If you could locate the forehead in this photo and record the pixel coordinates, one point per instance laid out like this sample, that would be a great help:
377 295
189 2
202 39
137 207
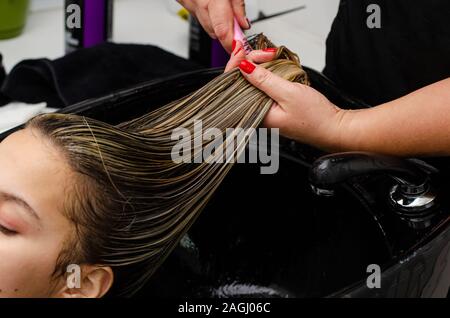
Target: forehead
32 167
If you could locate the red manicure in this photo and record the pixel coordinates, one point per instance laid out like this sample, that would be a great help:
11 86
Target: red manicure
270 50
238 50
247 67
233 45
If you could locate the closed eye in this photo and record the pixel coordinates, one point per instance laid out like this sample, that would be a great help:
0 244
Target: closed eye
6 231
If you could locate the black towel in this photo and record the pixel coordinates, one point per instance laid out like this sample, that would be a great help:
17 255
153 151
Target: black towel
3 99
88 73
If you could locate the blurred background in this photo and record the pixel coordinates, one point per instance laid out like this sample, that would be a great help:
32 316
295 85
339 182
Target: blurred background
161 23
156 22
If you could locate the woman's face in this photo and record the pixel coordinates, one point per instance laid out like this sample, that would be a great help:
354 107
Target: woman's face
33 229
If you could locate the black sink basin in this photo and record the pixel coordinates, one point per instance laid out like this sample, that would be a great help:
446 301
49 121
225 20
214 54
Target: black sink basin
268 235
271 236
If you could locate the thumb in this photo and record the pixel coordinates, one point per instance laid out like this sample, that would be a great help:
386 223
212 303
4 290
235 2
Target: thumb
277 88
239 12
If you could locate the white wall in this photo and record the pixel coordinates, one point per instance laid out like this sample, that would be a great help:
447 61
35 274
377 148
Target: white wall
304 31
316 18
37 5
320 13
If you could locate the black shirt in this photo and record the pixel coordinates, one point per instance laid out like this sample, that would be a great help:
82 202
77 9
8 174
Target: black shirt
411 49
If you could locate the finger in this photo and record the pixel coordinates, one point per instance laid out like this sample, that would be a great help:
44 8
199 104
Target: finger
202 16
262 56
236 56
200 13
221 16
239 12
257 56
188 5
277 88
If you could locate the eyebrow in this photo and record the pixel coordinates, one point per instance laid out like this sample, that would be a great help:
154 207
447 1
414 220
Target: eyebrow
21 202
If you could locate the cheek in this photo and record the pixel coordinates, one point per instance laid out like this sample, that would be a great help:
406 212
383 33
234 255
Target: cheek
26 267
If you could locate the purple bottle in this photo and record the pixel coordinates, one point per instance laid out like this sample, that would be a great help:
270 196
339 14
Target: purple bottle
203 49
87 23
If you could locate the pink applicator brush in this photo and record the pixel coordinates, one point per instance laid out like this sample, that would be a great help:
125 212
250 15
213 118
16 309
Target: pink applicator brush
240 36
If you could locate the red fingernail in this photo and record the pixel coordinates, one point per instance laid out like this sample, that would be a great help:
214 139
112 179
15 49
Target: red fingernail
270 50
238 50
249 23
233 45
247 67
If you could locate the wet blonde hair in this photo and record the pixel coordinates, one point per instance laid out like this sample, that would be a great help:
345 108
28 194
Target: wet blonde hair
130 202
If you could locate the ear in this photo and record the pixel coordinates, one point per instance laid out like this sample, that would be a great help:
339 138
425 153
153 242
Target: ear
95 282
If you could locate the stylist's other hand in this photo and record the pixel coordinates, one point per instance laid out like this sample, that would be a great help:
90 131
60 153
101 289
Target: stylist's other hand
217 17
299 111
256 56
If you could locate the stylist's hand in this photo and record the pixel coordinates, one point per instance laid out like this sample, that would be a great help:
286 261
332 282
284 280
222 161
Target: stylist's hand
256 56
217 17
299 111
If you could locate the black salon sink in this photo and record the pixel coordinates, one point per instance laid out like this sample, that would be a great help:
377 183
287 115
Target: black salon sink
272 236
